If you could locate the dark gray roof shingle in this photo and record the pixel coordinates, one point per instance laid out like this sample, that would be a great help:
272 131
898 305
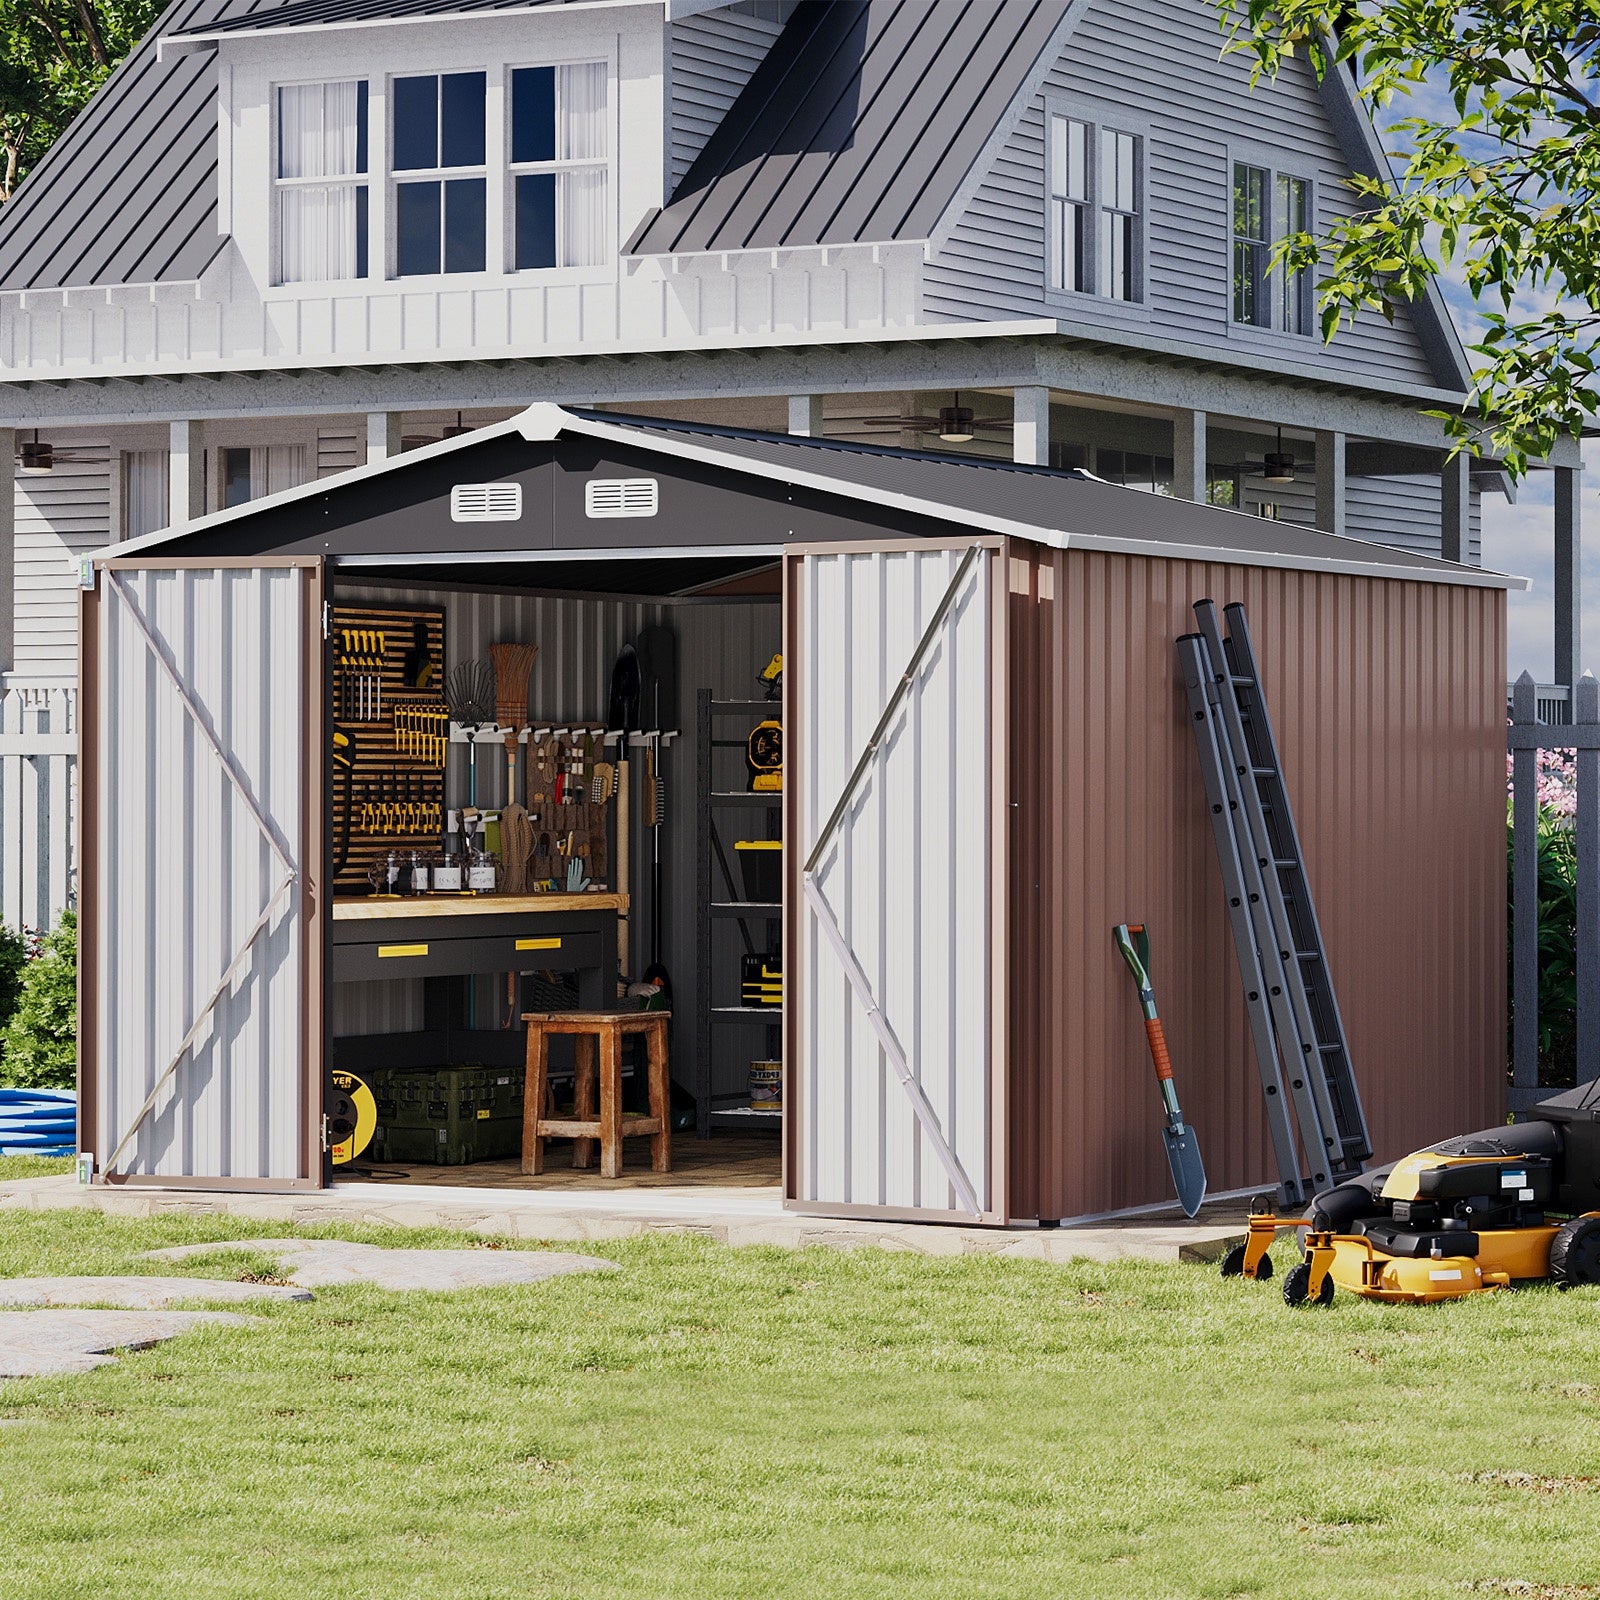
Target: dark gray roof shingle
320 13
859 125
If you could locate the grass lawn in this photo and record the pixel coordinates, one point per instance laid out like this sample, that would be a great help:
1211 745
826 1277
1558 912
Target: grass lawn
712 1422
33 1166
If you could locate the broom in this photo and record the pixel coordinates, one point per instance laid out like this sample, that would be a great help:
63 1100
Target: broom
513 664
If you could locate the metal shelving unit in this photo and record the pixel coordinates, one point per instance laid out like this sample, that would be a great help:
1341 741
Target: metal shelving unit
716 1023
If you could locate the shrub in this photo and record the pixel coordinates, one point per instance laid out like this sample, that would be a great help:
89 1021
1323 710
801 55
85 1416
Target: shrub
41 1039
15 953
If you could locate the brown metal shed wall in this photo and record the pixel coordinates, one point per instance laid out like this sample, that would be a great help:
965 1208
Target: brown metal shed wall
1388 701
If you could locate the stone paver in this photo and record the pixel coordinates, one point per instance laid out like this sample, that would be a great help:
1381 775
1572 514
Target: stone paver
321 1263
42 1343
138 1294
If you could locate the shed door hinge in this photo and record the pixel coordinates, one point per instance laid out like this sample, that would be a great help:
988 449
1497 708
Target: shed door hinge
327 619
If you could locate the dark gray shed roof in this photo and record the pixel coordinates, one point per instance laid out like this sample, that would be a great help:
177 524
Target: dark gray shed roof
859 125
322 13
128 194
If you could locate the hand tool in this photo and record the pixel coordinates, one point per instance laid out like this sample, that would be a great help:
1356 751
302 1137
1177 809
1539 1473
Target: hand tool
513 666
1183 1149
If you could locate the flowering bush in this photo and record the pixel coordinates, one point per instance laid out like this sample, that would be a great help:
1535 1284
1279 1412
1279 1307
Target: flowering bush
1558 915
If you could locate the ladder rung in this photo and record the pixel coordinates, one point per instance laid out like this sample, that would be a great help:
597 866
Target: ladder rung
1331 1049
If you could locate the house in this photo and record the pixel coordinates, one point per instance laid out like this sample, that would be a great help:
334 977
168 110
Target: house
287 238
988 759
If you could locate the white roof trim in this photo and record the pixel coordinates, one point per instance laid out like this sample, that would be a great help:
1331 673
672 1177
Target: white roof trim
470 558
544 422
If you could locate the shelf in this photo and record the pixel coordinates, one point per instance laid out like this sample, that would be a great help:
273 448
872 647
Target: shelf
739 797
747 908
769 1014
745 1115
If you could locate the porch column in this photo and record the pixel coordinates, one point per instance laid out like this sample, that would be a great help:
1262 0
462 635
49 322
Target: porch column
805 415
383 435
186 473
1030 437
1189 455
1569 575
8 550
1330 482
1455 508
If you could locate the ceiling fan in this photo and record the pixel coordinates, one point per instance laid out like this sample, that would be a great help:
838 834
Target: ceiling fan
36 456
1275 466
451 430
954 424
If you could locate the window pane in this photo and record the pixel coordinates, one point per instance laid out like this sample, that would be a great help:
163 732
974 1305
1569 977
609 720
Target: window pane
1249 202
536 220
533 114
1117 256
1078 160
416 123
361 231
322 130
1117 153
416 228
235 476
464 225
322 232
144 492
583 217
461 119
1058 155
581 130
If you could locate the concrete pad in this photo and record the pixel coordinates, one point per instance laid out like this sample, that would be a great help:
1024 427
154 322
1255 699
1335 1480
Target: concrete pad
321 1263
36 1344
138 1294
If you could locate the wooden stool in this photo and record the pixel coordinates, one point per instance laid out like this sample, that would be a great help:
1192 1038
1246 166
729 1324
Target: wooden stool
596 1033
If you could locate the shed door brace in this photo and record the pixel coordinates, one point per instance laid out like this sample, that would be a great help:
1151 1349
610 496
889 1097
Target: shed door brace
858 980
268 916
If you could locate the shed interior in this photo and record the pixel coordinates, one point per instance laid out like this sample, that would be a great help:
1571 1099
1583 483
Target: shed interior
674 875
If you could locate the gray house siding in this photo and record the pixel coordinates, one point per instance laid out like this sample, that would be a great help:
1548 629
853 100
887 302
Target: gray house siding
1404 512
713 56
1115 65
60 516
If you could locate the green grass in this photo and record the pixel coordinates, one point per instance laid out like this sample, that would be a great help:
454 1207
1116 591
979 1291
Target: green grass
712 1422
33 1166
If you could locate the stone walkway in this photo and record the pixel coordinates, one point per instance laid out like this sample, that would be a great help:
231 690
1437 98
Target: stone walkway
138 1293
729 1215
44 1343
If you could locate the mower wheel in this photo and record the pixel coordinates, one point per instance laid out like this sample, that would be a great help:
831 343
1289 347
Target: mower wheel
1297 1287
1233 1265
1575 1253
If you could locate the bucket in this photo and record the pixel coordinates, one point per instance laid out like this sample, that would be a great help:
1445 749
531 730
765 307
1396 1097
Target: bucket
766 1085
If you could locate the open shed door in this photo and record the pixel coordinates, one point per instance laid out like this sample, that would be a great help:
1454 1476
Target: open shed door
202 734
896 879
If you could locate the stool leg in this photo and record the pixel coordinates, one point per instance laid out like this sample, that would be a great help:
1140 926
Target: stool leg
660 1099
610 1103
533 1098
583 1056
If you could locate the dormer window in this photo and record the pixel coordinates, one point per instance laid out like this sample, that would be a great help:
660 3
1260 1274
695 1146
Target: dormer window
559 161
440 162
321 181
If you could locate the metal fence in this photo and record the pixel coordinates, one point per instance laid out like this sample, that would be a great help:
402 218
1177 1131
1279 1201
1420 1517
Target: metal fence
1526 737
38 803
1553 701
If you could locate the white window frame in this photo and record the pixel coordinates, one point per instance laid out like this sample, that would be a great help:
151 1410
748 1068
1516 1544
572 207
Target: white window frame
1095 210
1276 286
395 179
606 164
276 185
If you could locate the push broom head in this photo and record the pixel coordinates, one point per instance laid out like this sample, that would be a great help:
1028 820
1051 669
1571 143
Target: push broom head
513 665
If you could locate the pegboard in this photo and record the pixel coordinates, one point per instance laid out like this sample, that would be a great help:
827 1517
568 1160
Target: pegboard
393 797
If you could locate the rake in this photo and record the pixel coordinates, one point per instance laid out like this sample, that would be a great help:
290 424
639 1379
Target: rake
469 692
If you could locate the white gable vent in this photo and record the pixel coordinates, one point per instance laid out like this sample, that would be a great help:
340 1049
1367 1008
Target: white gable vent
621 497
486 502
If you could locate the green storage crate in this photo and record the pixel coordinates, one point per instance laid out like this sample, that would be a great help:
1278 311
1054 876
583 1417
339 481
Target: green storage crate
447 1116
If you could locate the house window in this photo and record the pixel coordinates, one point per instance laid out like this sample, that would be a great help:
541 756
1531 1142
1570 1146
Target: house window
1069 204
320 188
245 473
1266 209
1095 202
559 171
145 479
438 143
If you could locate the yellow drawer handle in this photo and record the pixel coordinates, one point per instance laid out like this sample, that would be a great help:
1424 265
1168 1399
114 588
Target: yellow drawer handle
538 944
402 950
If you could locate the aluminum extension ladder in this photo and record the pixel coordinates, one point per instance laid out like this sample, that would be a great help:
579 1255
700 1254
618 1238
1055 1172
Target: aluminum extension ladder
1298 1035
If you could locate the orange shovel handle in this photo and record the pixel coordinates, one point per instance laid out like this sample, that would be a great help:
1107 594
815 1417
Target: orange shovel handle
1158 1048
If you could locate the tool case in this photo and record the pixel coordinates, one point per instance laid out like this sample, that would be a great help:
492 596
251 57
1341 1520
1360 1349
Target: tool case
761 980
447 1116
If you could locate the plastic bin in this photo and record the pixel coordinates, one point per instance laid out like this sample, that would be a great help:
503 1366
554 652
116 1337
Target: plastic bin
446 1116
761 863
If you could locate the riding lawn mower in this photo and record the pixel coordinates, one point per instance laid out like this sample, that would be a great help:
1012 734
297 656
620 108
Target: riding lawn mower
1513 1204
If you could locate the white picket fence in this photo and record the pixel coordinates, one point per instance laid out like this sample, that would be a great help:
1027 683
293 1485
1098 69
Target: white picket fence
38 803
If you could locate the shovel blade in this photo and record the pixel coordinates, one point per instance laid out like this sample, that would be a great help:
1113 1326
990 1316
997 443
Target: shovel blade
1188 1171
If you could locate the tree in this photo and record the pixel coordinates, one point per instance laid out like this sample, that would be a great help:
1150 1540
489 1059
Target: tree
1502 186
41 1039
54 54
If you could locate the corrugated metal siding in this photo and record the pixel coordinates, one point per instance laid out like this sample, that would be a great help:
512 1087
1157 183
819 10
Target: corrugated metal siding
183 873
1389 702
1157 62
60 516
908 880
713 56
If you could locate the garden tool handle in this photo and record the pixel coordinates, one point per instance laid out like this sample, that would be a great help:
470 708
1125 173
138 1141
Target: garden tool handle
1158 1048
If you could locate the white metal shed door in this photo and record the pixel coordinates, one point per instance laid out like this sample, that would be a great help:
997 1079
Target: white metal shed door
896 889
198 859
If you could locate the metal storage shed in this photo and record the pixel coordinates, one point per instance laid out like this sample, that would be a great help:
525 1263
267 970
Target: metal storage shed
959 1039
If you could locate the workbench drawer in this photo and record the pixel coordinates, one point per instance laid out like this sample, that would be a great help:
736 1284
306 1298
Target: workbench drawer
533 950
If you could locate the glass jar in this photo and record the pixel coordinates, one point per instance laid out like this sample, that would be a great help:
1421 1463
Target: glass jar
447 874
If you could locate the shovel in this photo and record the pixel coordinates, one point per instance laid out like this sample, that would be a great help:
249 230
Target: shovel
1183 1149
